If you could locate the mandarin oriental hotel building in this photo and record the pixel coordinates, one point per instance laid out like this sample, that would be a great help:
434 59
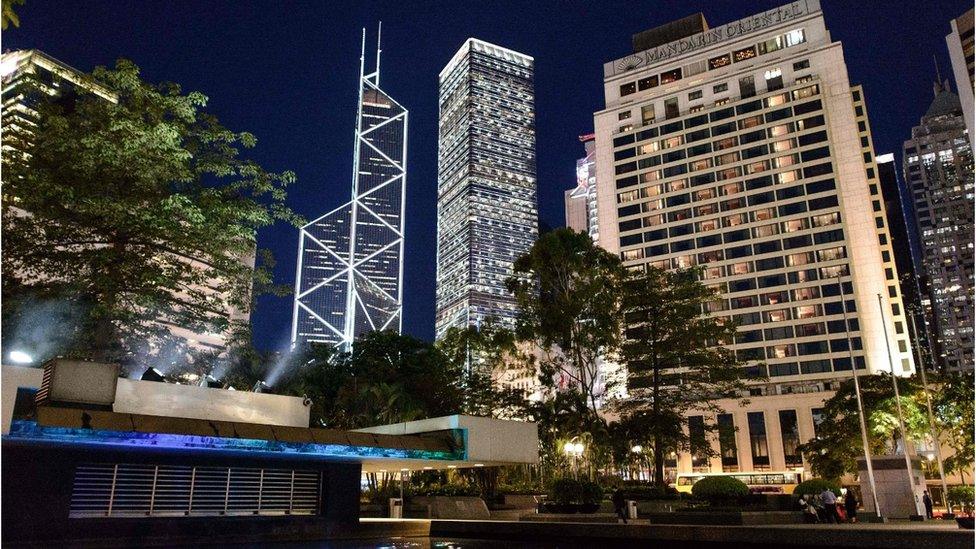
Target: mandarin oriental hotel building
744 149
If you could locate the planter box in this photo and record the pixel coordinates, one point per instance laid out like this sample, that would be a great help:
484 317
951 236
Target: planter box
602 518
727 518
453 507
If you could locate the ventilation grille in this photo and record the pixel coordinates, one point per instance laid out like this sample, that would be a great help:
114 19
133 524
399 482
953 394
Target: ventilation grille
130 490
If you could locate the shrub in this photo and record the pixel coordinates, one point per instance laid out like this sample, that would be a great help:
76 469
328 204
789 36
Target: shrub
816 486
565 491
522 488
448 489
590 492
719 489
568 491
648 492
961 495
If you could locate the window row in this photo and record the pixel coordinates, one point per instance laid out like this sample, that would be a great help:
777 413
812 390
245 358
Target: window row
742 109
791 38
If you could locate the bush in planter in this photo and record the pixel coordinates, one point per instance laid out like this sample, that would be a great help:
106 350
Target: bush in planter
591 494
647 492
449 489
565 491
720 489
961 496
815 486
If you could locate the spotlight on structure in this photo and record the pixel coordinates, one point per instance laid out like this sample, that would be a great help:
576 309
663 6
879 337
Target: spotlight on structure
20 357
211 382
152 374
262 387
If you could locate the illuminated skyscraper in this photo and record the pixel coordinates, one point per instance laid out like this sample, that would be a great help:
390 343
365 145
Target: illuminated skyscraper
581 210
938 166
350 260
744 150
486 182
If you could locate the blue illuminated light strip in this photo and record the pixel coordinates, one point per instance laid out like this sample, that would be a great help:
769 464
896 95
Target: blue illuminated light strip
30 431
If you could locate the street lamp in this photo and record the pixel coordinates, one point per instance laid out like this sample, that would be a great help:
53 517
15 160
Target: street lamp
575 450
20 357
637 449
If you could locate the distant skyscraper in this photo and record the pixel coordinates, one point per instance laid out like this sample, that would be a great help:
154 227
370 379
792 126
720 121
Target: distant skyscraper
938 166
960 43
350 260
486 182
581 208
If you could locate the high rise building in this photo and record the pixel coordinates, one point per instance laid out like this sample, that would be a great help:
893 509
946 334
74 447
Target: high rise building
938 168
744 150
960 43
486 182
581 209
350 260
904 248
30 75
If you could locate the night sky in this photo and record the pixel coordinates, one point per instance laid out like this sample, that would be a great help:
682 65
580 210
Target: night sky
286 71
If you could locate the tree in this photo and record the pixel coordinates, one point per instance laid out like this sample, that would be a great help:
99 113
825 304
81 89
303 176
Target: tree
9 16
568 293
141 208
838 444
485 353
675 359
954 415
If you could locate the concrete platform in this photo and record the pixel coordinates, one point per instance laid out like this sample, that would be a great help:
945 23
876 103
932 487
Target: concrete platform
886 536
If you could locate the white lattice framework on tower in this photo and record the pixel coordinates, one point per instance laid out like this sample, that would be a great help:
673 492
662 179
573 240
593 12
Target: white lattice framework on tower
350 261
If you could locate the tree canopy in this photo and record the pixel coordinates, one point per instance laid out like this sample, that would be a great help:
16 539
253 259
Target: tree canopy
568 293
136 210
675 360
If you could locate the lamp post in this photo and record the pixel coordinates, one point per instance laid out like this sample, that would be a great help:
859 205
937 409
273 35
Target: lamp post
636 450
928 406
575 450
901 417
860 404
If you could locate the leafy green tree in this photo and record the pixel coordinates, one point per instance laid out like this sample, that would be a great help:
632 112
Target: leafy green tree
838 444
954 416
675 359
140 208
568 293
486 353
9 16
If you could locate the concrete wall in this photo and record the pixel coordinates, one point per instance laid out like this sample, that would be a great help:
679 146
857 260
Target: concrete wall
166 399
13 378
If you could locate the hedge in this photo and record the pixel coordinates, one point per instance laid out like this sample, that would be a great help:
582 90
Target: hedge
719 489
816 486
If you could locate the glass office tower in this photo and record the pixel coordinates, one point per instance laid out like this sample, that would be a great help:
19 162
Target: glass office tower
486 182
350 261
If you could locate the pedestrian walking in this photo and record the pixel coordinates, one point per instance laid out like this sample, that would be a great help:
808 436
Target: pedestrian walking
830 505
619 504
927 500
850 505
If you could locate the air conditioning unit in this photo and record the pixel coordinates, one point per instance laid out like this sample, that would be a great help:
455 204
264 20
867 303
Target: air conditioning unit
78 383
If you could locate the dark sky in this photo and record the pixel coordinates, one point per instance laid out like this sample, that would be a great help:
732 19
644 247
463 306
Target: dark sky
286 71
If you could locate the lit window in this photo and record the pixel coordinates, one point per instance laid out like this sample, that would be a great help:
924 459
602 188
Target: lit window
719 62
670 76
623 115
795 37
647 83
771 45
743 54
628 89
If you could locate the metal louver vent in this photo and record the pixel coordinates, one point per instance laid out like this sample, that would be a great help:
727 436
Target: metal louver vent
132 490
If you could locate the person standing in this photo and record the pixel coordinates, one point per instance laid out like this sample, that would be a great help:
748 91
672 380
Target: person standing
850 505
619 504
830 505
927 500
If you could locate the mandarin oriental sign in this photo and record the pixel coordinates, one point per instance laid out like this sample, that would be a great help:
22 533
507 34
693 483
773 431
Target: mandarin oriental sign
729 31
